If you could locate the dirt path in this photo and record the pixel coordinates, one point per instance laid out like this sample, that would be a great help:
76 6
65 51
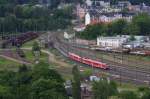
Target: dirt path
60 65
52 58
15 60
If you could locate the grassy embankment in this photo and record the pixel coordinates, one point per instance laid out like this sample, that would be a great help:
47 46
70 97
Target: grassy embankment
8 65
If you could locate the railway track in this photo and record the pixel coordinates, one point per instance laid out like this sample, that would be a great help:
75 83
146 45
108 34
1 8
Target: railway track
123 61
122 71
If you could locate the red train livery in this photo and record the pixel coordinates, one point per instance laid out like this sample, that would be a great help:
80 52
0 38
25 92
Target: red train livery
88 61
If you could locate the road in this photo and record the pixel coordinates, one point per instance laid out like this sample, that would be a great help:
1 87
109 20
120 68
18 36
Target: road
117 71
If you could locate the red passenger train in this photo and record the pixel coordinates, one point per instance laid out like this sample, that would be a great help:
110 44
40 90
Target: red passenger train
88 61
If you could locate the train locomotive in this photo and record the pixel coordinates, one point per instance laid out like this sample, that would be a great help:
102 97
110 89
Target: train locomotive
88 61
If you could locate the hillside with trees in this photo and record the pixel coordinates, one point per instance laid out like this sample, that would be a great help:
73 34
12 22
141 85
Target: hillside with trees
28 15
37 83
138 26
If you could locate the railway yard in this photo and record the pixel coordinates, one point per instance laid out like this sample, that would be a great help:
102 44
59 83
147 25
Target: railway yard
135 71
122 67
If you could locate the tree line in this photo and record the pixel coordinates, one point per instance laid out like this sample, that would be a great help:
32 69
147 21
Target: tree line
21 18
138 26
40 82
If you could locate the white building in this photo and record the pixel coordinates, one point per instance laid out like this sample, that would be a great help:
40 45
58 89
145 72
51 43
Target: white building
88 2
112 42
102 3
108 19
124 4
87 19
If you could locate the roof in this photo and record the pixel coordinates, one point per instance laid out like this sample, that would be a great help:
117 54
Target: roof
93 60
112 37
97 14
74 55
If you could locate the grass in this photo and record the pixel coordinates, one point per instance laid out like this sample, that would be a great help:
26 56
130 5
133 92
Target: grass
147 58
127 87
29 44
31 57
8 65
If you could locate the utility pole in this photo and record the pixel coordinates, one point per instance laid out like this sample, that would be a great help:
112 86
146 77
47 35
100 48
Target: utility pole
120 77
136 70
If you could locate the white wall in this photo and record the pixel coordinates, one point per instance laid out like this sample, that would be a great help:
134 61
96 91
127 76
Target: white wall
108 42
87 19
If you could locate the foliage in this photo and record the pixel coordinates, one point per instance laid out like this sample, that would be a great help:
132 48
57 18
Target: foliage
103 89
76 83
143 22
117 27
36 47
143 89
93 31
128 95
37 83
146 95
132 29
86 73
22 18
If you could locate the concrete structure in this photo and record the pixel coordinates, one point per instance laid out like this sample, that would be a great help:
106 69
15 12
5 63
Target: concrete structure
112 42
139 42
85 42
68 36
79 28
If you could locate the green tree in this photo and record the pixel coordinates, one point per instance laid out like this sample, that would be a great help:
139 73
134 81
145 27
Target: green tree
146 95
86 73
103 89
21 86
132 29
92 31
48 89
47 83
42 70
5 92
36 47
76 83
143 22
117 27
40 82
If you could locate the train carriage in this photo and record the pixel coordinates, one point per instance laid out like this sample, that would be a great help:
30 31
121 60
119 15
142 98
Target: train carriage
75 57
88 61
